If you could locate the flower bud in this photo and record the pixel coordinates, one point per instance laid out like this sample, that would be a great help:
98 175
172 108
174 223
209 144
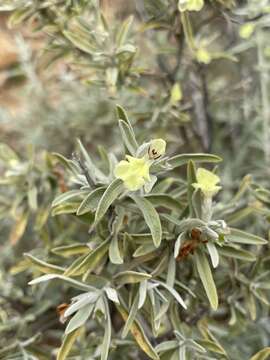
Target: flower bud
156 149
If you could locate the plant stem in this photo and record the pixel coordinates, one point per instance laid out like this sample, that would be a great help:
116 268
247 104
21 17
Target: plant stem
264 79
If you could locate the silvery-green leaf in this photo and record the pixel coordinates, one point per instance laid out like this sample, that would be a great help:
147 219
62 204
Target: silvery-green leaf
182 159
80 42
206 277
191 179
139 335
67 344
20 15
70 250
242 237
129 48
182 352
43 266
142 293
151 218
32 198
131 317
114 252
213 253
79 318
194 345
122 115
211 346
67 208
165 201
171 272
73 283
90 202
93 170
78 261
108 332
237 253
19 228
144 249
262 354
90 262
149 184
173 292
112 162
128 137
112 294
178 243
130 277
162 186
122 33
143 149
109 196
166 346
83 300
69 195
69 164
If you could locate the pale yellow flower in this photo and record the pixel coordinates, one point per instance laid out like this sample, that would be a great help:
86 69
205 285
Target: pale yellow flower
207 182
134 172
203 56
190 5
246 30
176 94
157 148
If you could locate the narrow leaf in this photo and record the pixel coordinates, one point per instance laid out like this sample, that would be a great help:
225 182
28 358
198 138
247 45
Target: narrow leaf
236 253
90 262
151 218
67 344
213 253
70 250
90 202
262 354
43 266
206 277
130 277
128 137
174 293
242 237
73 283
122 115
108 333
80 318
112 294
142 293
183 159
69 195
139 335
191 178
111 193
114 252
131 317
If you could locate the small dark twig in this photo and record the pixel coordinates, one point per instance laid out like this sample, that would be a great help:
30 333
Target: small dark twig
84 170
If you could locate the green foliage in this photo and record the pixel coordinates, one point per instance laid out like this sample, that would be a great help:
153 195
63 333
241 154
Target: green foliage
145 253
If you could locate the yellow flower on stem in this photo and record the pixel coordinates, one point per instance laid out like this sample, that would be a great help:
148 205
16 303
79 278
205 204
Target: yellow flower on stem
134 172
190 5
246 30
207 182
203 56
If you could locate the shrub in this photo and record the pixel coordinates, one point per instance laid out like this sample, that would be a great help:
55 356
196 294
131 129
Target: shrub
153 247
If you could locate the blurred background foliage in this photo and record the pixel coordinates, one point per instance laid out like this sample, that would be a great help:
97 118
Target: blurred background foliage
200 80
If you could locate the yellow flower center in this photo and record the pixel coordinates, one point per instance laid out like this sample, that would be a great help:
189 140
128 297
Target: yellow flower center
134 172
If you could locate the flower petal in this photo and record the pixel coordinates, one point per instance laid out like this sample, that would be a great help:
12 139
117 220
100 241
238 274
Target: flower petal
121 169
